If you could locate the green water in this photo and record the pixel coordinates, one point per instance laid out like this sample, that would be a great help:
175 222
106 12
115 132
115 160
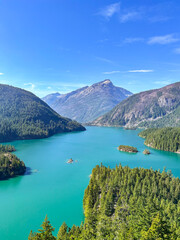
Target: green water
57 188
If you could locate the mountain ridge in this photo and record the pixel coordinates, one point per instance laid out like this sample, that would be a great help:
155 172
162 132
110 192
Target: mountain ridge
89 102
145 109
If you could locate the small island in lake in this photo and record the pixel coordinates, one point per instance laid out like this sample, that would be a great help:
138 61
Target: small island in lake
146 152
129 149
70 161
130 128
10 165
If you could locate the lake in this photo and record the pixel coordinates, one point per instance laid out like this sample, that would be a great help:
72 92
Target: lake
56 188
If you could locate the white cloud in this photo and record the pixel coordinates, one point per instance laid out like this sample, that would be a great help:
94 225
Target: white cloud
31 86
112 72
177 50
163 39
110 10
129 16
141 71
104 60
1 74
163 82
132 40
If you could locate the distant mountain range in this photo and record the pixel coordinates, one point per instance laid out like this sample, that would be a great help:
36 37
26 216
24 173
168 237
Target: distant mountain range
25 116
154 108
87 103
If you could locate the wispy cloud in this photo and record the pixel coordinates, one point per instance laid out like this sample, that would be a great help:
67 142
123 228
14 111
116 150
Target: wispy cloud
155 19
1 74
133 40
31 86
163 82
104 60
141 71
129 16
166 39
112 72
110 10
177 50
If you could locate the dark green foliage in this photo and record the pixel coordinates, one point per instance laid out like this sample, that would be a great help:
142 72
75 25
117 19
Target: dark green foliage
128 204
159 229
146 132
43 234
25 116
7 148
10 166
170 120
128 200
62 232
125 148
166 139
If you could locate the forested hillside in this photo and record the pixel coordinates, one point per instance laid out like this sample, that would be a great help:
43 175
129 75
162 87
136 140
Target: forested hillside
154 108
125 204
166 139
25 116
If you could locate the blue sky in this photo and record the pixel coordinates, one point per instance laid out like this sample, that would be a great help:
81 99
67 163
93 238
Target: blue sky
60 45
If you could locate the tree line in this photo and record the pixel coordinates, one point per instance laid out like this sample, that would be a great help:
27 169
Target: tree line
124 204
166 139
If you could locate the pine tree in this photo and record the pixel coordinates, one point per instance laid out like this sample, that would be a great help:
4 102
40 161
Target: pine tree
32 236
62 232
159 230
46 232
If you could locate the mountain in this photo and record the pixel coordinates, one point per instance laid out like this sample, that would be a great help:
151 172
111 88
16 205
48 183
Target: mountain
51 98
88 103
154 108
25 116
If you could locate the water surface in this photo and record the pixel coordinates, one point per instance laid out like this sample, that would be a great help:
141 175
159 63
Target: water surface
57 188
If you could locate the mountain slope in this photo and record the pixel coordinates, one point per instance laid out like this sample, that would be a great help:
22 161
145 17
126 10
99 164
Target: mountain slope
87 103
25 116
154 108
51 98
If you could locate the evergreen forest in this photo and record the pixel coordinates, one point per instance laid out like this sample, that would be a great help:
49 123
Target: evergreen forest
166 139
124 204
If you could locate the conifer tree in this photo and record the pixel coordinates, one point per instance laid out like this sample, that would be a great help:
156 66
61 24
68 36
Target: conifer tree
159 230
46 232
62 232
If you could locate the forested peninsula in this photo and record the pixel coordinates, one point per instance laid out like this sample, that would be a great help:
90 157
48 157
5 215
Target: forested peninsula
10 165
125 204
25 116
166 139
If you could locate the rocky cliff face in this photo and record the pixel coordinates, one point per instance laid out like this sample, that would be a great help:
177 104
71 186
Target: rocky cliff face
88 103
154 108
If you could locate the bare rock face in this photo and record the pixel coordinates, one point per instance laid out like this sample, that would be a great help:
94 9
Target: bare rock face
154 108
88 103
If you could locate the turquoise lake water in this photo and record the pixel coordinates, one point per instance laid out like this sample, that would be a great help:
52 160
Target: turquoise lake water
57 188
